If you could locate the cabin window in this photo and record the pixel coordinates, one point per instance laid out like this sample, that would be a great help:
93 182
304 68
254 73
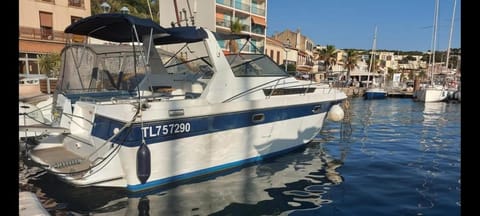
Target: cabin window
46 25
254 65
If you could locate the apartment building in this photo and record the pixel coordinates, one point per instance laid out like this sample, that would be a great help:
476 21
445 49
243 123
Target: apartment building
41 26
302 44
281 52
276 50
388 58
217 16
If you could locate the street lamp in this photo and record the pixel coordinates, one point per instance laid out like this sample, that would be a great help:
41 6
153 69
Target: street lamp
286 46
105 7
124 10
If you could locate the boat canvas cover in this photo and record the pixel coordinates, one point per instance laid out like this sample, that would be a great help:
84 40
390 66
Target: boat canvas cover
114 27
94 67
192 34
188 34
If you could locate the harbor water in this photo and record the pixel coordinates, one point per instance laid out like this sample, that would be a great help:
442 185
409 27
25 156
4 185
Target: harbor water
392 157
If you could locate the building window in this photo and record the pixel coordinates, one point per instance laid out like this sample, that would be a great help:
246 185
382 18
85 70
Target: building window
46 25
77 38
75 3
271 54
74 19
28 63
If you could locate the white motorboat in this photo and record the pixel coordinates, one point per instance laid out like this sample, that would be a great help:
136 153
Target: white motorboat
128 116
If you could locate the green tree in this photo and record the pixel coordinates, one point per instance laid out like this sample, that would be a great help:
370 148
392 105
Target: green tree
235 28
351 61
390 72
49 64
329 55
422 75
410 58
136 7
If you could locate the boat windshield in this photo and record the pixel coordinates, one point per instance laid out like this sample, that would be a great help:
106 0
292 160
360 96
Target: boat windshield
190 61
101 68
254 65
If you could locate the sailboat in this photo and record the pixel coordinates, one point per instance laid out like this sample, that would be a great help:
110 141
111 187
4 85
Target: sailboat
433 92
374 92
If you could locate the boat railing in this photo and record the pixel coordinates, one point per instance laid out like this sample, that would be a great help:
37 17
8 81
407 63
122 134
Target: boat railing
275 84
251 90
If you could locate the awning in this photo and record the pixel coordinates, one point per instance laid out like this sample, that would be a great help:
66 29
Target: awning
220 16
259 21
46 19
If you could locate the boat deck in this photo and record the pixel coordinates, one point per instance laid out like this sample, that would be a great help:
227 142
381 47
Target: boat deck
62 160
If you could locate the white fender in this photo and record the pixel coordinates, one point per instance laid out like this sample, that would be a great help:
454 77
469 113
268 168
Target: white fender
335 113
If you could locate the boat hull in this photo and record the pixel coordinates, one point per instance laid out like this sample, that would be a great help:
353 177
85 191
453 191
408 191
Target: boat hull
212 143
187 158
375 94
431 95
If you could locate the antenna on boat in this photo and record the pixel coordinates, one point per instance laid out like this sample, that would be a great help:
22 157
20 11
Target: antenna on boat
192 17
176 13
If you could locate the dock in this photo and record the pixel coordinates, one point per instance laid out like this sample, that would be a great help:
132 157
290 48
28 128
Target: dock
400 94
30 205
359 91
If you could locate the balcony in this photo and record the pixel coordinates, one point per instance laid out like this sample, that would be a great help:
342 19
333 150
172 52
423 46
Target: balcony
246 28
223 22
225 2
258 29
239 5
48 1
76 3
51 35
258 11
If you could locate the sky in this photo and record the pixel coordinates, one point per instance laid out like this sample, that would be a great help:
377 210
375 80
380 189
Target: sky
405 25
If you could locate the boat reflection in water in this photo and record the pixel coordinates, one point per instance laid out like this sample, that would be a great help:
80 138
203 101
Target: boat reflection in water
432 113
297 181
433 151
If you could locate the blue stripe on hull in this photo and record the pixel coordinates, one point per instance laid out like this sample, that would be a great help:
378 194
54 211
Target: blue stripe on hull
103 126
160 182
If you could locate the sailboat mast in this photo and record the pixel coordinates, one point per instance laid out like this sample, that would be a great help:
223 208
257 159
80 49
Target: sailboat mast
434 41
372 57
451 32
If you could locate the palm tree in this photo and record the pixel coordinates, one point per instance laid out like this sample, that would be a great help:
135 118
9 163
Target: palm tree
235 28
329 55
351 61
49 64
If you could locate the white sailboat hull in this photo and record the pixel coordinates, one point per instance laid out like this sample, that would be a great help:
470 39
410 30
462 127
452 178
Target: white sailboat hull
431 95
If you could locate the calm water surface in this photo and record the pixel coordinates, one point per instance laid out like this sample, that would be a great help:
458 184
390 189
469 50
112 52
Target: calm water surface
394 157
